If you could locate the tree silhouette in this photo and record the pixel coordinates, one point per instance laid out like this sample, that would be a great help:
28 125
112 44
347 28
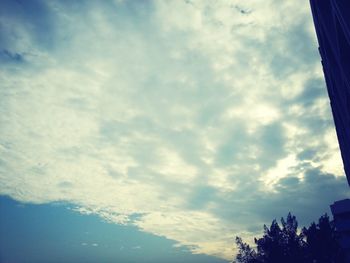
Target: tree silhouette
246 253
315 244
322 242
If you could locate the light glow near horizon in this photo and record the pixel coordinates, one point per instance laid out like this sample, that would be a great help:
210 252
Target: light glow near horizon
206 119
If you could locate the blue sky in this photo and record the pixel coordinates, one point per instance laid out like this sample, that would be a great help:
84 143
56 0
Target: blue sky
53 233
188 121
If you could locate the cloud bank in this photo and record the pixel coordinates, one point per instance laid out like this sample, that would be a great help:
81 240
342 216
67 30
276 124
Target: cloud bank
193 120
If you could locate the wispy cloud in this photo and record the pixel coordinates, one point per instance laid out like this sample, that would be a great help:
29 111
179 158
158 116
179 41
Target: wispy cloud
205 119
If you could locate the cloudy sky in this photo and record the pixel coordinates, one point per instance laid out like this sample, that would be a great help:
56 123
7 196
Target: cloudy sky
172 125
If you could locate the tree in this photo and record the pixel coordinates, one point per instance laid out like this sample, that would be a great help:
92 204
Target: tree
282 245
246 253
322 241
315 244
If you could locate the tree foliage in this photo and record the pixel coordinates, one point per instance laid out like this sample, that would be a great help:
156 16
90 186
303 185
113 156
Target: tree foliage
285 243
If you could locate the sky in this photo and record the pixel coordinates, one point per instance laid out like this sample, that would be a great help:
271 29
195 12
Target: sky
164 128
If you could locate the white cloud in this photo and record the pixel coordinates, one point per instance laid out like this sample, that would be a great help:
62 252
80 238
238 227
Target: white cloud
136 247
181 112
281 170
